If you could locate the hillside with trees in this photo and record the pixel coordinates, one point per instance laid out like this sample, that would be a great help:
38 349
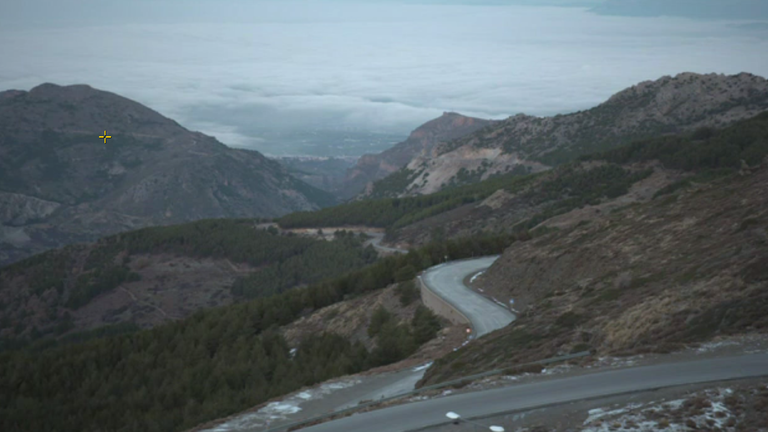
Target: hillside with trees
216 362
153 275
514 203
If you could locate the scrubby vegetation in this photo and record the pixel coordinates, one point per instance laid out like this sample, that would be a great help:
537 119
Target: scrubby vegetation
571 186
705 150
398 212
394 183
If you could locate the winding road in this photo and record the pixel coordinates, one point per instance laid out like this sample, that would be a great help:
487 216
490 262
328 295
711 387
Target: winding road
447 281
541 394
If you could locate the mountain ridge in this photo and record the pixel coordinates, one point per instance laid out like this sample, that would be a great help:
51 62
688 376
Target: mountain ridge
524 143
152 171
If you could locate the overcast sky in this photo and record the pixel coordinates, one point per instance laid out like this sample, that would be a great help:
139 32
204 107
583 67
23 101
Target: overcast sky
238 68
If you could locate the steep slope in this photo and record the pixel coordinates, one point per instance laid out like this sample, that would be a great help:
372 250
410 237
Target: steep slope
60 183
523 143
685 266
680 269
370 168
717 9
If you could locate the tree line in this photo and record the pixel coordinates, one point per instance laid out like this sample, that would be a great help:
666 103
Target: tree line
284 262
706 149
397 212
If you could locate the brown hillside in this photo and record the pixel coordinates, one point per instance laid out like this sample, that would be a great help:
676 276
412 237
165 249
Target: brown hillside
680 269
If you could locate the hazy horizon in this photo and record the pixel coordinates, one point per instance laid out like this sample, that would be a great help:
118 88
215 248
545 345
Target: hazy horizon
312 74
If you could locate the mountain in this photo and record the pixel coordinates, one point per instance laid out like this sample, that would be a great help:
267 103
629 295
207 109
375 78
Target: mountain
60 183
370 168
524 144
710 9
590 186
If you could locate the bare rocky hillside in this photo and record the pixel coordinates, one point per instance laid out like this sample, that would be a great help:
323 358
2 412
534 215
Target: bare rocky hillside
60 183
525 144
370 168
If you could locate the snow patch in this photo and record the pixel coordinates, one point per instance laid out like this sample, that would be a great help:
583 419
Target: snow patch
713 346
422 367
281 410
556 369
715 415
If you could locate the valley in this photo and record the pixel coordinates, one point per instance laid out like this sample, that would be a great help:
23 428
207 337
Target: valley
650 243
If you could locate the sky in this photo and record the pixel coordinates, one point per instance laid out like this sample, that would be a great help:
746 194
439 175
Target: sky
250 72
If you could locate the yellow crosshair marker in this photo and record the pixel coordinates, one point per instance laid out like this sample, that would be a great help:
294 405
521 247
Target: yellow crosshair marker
105 137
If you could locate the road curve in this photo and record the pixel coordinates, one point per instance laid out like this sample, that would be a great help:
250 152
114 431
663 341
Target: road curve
447 281
528 396
377 238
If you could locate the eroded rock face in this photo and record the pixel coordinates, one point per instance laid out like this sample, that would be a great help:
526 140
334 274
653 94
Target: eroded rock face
61 183
524 143
370 168
16 209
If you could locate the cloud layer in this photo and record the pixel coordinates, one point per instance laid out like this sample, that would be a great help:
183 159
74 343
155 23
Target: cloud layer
380 67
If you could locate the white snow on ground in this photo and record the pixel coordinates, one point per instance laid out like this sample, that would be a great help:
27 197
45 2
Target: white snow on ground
472 279
599 413
615 362
655 416
422 367
515 377
712 346
557 369
280 410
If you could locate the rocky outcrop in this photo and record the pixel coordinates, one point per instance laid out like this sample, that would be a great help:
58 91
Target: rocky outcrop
16 209
370 168
524 143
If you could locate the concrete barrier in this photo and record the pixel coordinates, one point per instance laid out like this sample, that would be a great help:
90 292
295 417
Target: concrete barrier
441 307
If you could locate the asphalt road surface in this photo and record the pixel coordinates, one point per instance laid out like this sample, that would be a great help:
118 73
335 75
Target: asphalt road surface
447 281
528 396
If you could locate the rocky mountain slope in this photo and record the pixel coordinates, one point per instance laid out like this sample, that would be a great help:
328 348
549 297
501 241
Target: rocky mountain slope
60 183
370 168
523 144
681 269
